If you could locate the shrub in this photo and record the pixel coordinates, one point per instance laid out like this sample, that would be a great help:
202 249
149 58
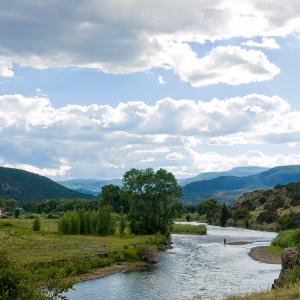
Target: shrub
105 222
262 200
36 226
284 239
29 217
147 253
17 213
4 217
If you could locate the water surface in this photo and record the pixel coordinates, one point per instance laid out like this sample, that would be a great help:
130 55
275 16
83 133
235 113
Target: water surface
196 266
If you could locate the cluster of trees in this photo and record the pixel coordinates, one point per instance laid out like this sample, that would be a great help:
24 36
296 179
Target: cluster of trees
8 205
88 222
148 198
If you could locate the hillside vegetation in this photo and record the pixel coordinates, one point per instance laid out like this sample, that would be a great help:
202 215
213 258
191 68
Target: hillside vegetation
239 172
25 186
227 189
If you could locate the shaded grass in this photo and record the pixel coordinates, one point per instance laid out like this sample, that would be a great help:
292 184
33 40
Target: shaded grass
27 246
190 229
284 239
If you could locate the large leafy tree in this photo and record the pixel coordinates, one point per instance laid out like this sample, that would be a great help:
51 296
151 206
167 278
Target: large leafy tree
150 195
110 196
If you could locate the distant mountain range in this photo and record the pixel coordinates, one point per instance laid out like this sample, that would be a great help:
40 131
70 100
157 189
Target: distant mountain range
25 186
239 172
227 189
89 186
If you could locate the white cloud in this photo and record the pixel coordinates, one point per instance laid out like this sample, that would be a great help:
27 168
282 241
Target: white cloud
266 43
161 80
101 141
38 90
175 156
5 66
131 36
231 65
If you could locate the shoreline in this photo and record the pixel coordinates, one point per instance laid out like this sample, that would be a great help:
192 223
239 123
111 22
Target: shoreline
262 254
106 271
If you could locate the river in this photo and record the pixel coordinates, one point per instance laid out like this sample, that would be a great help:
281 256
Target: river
198 265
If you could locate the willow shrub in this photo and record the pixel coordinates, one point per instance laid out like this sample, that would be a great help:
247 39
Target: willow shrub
185 228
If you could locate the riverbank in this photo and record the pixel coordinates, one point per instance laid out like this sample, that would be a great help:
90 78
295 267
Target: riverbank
109 270
262 254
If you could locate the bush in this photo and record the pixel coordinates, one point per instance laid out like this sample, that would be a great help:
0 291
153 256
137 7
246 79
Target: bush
147 253
29 217
36 226
4 217
284 239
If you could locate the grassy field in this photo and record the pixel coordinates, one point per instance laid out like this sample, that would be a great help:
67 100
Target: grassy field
25 245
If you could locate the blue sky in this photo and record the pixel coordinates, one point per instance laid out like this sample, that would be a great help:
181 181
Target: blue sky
91 90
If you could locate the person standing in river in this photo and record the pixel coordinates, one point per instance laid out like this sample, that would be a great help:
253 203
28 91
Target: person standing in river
224 241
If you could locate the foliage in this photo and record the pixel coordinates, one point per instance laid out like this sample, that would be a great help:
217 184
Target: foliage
22 283
267 216
9 205
284 239
105 221
224 215
241 213
110 196
17 213
150 196
185 228
36 226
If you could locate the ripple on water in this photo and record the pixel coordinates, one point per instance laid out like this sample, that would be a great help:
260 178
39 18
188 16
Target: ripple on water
196 266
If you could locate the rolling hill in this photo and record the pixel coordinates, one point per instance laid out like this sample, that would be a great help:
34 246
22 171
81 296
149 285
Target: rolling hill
227 189
25 186
239 172
89 186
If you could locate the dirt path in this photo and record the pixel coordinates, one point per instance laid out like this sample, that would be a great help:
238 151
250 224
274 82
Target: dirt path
262 254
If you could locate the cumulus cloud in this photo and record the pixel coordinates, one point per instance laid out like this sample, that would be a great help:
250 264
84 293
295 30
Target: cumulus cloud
122 37
99 140
38 90
5 66
161 80
231 65
266 43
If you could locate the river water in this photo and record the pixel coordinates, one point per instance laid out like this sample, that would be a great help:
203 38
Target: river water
198 265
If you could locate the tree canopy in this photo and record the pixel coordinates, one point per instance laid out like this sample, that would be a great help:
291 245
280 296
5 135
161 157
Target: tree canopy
150 196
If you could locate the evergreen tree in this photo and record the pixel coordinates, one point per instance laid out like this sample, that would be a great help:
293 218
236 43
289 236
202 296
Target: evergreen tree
224 215
36 226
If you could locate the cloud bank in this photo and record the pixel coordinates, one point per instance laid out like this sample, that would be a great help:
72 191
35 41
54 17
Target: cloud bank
99 141
123 37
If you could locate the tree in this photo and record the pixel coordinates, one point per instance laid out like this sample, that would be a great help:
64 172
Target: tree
105 221
36 226
110 196
150 196
17 213
10 205
224 215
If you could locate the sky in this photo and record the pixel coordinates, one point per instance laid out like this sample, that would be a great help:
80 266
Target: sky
90 89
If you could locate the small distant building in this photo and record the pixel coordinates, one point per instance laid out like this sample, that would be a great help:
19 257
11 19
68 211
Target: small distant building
2 212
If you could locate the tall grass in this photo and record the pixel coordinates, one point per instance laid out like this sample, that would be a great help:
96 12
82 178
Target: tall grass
190 229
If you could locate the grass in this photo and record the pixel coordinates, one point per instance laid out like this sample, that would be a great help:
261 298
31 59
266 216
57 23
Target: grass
189 229
287 293
284 239
26 246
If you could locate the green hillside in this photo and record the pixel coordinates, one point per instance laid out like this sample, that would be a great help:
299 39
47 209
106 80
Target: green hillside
24 186
89 186
239 172
227 189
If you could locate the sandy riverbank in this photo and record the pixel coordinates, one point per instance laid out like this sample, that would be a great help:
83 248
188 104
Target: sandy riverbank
262 254
106 271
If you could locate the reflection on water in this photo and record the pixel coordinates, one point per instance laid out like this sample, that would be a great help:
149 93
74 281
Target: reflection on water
196 266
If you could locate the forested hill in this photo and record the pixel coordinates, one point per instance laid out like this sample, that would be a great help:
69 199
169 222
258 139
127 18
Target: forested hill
239 172
25 186
227 189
